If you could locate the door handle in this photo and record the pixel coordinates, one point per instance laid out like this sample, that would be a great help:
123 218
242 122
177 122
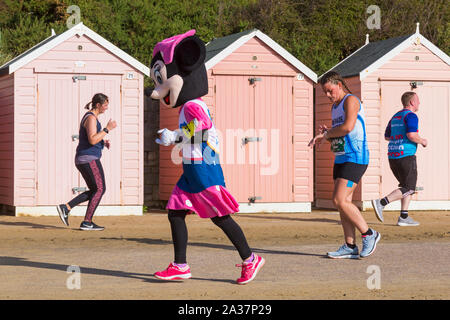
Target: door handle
76 78
253 80
78 189
251 139
75 137
253 199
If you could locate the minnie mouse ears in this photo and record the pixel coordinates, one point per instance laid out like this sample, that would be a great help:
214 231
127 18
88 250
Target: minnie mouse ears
187 49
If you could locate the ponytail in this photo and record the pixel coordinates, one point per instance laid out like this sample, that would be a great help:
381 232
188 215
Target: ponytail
333 77
97 98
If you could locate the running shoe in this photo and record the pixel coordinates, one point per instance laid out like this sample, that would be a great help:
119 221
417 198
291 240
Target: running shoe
407 222
344 252
378 207
63 213
174 272
90 226
369 244
250 269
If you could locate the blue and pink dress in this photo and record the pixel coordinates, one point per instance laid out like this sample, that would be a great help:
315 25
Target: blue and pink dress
201 188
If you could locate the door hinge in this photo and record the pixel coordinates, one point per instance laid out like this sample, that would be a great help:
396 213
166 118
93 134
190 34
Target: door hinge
292 188
120 185
36 185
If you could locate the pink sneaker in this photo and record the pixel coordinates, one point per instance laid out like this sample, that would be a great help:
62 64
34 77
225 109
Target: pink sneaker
250 269
174 272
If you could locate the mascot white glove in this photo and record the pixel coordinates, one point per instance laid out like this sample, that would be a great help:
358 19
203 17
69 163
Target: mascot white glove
168 137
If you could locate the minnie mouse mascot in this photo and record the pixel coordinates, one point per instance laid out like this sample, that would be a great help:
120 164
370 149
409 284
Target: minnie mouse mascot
180 79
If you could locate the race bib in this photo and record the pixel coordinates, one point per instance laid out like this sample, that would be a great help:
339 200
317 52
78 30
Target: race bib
338 146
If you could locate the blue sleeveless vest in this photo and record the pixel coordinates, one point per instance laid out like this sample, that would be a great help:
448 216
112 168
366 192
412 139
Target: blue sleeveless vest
353 146
400 146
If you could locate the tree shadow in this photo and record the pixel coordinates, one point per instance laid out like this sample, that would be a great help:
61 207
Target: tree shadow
253 216
21 262
29 225
213 246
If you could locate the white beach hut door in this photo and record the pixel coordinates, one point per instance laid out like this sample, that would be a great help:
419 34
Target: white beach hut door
61 101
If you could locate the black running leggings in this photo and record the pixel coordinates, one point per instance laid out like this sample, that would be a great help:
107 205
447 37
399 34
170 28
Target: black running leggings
94 176
226 223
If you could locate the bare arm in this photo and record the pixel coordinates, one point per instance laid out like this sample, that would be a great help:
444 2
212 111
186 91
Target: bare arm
414 137
95 137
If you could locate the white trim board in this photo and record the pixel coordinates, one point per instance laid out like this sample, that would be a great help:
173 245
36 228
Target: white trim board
274 207
80 211
366 205
402 46
79 29
413 205
268 41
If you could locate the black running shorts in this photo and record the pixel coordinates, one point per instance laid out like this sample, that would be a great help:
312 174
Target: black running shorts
349 170
405 170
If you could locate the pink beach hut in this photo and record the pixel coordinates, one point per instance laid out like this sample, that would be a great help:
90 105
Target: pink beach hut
379 73
261 100
42 95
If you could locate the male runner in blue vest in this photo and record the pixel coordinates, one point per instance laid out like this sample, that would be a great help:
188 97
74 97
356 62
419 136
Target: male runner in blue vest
402 132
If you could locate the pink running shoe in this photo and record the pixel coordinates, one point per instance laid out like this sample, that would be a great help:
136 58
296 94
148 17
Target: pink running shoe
174 272
250 269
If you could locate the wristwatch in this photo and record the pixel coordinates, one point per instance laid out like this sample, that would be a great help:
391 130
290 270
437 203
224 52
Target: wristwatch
106 130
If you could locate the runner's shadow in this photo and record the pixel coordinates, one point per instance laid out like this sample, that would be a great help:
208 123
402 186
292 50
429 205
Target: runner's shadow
21 262
213 246
30 225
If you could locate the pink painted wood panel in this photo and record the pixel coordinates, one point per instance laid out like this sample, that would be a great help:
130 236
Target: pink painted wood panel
25 137
242 60
169 171
302 131
7 140
133 136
